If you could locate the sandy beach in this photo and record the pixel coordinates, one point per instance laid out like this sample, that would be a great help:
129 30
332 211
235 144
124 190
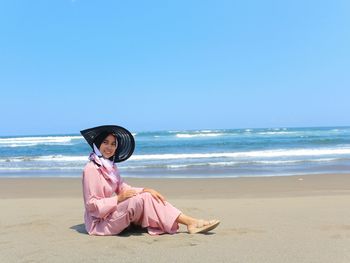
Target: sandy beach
271 219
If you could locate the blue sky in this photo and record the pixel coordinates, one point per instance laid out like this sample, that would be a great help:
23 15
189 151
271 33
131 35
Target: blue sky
159 65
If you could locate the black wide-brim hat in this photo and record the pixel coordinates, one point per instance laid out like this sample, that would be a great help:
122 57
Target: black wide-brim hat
126 142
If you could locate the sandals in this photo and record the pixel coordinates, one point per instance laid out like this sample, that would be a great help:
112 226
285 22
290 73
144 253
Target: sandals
203 226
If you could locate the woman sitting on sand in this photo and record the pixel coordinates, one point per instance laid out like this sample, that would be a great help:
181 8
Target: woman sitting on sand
111 205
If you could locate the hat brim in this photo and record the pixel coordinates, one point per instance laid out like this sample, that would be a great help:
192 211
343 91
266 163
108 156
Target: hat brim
126 142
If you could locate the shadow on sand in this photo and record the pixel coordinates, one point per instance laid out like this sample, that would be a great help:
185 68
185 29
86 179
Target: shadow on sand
79 228
132 230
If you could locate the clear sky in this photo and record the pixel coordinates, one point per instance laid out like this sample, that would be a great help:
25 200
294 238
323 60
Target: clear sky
168 65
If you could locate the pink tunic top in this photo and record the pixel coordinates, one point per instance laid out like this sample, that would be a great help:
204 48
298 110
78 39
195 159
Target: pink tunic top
104 215
100 196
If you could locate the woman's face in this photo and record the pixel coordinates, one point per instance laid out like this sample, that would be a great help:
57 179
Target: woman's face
108 146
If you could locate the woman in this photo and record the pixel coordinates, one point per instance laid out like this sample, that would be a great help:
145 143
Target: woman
111 205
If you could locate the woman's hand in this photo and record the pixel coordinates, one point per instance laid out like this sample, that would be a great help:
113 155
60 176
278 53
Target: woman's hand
155 194
126 194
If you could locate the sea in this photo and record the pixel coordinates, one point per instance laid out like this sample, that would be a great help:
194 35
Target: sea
209 153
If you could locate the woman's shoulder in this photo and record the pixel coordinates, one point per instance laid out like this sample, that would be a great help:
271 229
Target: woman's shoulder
90 166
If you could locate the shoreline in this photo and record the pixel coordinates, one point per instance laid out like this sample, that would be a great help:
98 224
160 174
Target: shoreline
161 173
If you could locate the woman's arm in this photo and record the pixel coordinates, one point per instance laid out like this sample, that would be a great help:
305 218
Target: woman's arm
124 186
95 201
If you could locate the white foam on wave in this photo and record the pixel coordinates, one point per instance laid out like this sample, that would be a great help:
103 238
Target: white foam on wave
276 133
131 167
274 162
229 163
204 134
47 158
271 162
249 154
177 166
62 158
173 131
32 141
330 152
39 168
208 131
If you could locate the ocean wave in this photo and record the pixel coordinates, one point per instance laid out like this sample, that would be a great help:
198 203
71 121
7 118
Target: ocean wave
277 133
248 154
279 153
47 158
271 162
167 166
277 162
190 135
33 141
232 163
46 168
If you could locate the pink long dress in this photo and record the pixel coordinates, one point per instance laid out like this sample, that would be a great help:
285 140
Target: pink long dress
104 215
